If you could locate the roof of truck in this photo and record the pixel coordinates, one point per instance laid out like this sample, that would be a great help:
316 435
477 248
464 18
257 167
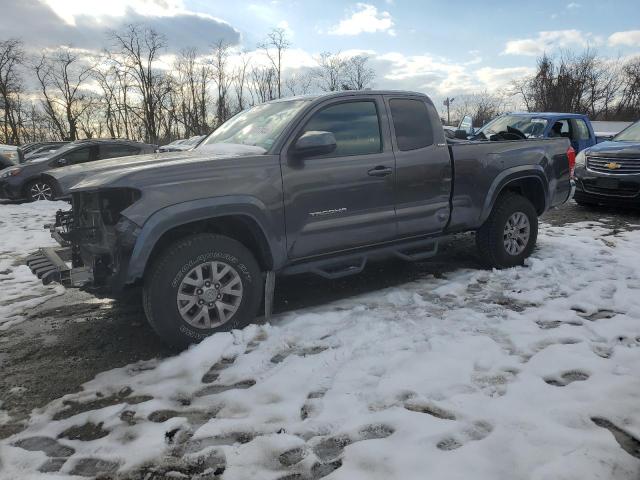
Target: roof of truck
349 93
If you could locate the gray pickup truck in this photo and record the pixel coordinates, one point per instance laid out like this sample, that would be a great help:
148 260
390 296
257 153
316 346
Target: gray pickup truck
317 184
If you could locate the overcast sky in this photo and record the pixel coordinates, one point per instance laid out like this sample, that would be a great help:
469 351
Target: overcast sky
437 47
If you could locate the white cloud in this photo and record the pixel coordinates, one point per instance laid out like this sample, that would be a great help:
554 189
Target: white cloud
68 10
495 79
550 40
364 19
629 38
573 5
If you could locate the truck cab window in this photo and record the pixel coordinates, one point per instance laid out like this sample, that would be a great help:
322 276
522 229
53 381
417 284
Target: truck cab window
560 129
411 123
354 124
580 130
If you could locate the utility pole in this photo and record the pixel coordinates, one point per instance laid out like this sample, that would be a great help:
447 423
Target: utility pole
447 103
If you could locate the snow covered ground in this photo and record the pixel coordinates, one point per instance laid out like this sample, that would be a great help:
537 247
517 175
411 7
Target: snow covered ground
21 233
527 373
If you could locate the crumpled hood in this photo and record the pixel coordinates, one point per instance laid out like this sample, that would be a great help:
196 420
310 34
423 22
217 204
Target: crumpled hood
615 149
80 176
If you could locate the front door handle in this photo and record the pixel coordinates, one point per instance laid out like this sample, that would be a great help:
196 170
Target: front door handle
380 171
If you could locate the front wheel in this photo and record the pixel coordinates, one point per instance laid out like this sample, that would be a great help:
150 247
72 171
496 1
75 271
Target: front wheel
509 235
201 285
39 190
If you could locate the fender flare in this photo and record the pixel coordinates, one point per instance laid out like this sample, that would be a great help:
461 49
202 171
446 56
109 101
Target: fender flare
511 175
203 209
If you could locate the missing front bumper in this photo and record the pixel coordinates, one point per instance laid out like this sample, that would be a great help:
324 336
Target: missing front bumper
50 265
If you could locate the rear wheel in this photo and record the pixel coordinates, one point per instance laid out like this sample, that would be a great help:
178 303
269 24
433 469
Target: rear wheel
509 234
201 285
39 190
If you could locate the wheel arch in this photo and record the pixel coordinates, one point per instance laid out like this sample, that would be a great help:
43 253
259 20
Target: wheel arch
530 183
245 222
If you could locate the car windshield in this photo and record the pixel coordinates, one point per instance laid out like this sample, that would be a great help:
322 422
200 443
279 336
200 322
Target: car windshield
629 134
531 127
259 126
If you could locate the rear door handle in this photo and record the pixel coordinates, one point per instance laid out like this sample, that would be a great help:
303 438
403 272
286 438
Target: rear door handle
380 171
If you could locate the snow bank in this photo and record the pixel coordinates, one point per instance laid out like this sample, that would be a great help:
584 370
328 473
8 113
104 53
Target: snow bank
513 374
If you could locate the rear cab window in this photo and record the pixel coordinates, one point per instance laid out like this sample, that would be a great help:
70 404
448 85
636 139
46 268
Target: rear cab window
580 130
412 124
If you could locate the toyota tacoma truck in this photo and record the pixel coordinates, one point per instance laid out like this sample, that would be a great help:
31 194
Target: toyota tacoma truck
318 184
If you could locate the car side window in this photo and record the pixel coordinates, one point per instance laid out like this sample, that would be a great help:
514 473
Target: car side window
355 126
411 123
580 130
80 155
113 151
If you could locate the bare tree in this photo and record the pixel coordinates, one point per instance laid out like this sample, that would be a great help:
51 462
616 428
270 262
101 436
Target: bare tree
11 84
63 78
222 79
135 50
330 73
358 74
274 47
262 85
193 80
240 79
629 105
299 83
482 107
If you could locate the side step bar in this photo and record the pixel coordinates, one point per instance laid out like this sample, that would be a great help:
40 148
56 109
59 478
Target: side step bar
354 263
48 265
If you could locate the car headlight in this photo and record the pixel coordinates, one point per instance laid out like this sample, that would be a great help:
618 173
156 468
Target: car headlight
581 159
11 173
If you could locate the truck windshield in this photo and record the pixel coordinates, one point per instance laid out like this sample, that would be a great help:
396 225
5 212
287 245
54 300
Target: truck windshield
530 127
629 134
259 126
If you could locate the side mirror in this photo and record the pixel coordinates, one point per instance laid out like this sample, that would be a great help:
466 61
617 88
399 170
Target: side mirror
62 162
315 143
460 134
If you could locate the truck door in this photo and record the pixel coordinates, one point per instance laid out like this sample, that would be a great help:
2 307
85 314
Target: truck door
423 167
343 199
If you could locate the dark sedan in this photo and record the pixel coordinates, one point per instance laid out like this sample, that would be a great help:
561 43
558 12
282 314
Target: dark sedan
25 181
609 172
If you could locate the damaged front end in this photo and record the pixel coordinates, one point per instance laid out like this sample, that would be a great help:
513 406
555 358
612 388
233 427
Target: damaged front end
95 240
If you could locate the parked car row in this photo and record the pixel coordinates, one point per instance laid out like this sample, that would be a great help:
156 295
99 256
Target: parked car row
25 181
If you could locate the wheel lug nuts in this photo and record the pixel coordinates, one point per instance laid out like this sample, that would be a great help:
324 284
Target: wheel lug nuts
199 291
219 296
217 285
207 284
200 302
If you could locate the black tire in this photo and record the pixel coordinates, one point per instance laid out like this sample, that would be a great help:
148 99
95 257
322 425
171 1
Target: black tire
490 238
166 277
39 190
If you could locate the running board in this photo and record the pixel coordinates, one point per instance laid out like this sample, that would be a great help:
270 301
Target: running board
417 254
350 264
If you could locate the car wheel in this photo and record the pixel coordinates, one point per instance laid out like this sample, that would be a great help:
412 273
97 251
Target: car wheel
509 235
201 285
39 190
